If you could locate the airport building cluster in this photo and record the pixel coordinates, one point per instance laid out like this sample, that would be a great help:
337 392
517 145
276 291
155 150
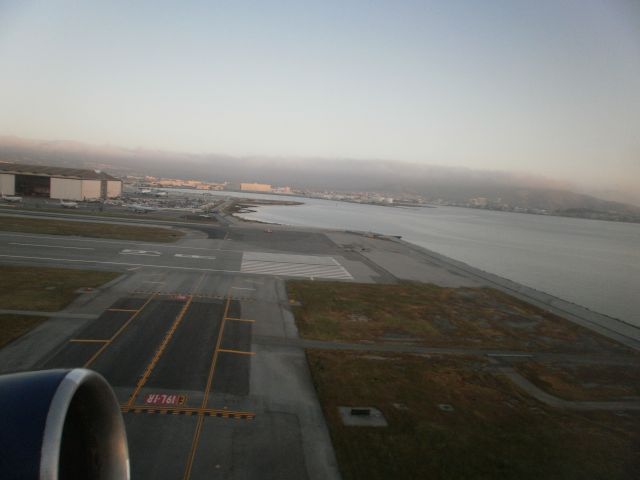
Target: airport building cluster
154 182
57 182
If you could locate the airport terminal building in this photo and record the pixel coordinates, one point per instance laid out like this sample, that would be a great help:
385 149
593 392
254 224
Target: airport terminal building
57 182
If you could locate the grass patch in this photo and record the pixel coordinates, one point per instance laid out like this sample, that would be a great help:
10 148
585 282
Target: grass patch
45 289
434 316
14 326
166 216
494 432
584 382
86 229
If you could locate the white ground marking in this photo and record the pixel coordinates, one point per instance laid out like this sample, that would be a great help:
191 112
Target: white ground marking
289 258
181 255
50 246
293 266
145 253
344 275
115 242
173 267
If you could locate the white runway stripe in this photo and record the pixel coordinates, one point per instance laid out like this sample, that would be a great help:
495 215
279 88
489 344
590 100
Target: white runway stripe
296 266
288 266
289 258
297 273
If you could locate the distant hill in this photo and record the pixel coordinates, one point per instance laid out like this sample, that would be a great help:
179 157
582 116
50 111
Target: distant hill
451 185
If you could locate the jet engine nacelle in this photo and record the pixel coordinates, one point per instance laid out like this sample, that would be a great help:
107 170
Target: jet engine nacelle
61 424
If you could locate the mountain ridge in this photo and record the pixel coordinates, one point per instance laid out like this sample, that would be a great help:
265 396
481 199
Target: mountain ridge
448 184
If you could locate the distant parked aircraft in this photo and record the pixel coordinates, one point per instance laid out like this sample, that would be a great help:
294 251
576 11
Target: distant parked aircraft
64 204
149 191
141 208
8 198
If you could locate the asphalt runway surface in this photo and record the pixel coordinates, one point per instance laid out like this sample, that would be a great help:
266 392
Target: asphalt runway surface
177 337
180 366
199 344
166 355
173 336
78 252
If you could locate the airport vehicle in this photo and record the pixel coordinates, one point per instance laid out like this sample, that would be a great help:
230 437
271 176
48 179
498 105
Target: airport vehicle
12 199
64 204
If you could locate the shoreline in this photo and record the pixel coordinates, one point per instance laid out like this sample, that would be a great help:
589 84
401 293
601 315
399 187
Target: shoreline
557 214
611 327
619 330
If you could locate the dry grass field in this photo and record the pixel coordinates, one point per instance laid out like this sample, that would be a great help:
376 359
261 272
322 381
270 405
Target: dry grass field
584 382
458 417
434 316
88 229
494 431
42 289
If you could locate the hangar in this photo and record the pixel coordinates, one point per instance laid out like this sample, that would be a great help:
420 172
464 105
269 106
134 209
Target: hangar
57 182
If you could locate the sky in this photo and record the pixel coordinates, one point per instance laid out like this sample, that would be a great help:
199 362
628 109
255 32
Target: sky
546 87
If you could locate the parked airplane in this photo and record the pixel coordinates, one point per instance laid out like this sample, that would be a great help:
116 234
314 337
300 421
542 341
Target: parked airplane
141 208
8 198
155 193
64 204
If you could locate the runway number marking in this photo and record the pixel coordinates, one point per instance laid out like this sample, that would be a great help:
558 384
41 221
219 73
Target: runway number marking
147 253
164 399
201 257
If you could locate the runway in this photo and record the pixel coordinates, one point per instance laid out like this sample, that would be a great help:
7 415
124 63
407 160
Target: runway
173 336
182 366
40 249
168 355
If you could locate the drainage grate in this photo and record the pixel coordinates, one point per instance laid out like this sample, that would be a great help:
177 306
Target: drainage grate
362 417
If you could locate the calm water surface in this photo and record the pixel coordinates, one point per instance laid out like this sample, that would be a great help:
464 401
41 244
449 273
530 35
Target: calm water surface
592 263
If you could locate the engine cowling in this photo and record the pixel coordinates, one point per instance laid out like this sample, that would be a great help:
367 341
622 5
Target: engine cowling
61 424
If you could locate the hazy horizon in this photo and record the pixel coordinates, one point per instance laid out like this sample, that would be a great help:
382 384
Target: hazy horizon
339 174
545 89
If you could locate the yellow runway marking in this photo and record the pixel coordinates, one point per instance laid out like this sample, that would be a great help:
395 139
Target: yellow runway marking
159 351
237 351
121 310
210 412
241 319
205 399
87 340
118 332
195 295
